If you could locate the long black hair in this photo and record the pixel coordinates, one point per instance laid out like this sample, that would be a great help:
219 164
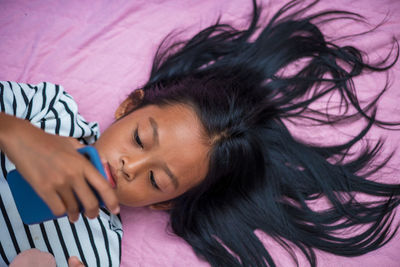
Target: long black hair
260 177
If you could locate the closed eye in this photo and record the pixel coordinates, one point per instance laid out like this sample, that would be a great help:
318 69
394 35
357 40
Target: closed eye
153 181
137 138
139 143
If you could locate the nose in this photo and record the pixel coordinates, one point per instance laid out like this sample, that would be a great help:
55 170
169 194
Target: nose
132 166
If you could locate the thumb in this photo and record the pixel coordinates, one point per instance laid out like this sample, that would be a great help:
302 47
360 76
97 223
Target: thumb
74 143
75 262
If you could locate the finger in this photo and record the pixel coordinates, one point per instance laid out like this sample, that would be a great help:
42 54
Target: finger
70 203
74 262
75 143
87 198
54 202
104 189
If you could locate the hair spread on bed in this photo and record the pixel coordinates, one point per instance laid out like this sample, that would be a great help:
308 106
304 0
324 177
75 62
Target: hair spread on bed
261 177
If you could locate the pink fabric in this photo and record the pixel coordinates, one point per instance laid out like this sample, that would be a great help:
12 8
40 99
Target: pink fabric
101 50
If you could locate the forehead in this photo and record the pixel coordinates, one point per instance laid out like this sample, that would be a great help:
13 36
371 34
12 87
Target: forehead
182 143
180 119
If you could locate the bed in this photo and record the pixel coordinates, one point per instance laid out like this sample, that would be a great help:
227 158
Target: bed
101 50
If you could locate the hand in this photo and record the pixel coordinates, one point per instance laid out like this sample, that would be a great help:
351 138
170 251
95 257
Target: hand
54 168
75 262
34 257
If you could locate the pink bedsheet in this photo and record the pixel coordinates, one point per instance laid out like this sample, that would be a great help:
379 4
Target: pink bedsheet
101 50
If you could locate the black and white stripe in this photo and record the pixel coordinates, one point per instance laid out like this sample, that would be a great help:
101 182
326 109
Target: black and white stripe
96 242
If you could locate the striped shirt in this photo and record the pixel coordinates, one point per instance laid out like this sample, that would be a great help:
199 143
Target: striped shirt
96 242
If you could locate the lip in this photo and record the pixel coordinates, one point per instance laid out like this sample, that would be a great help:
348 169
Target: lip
110 174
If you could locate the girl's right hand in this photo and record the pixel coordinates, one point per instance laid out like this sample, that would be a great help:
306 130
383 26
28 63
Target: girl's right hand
54 168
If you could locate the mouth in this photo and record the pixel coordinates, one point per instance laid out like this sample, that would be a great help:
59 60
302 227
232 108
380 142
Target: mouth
110 174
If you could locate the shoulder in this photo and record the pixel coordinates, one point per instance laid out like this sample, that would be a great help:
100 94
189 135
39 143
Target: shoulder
25 100
48 106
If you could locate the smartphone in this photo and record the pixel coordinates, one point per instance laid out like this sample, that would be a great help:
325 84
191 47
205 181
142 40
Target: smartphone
30 205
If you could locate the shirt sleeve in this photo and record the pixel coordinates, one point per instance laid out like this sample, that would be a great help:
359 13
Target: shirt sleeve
49 107
96 242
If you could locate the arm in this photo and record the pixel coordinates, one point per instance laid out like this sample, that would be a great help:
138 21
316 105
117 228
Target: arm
52 166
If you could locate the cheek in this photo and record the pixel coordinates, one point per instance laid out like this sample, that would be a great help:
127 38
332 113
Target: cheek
134 194
116 133
132 198
111 146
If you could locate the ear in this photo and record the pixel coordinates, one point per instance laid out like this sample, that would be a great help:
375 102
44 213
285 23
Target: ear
162 206
133 100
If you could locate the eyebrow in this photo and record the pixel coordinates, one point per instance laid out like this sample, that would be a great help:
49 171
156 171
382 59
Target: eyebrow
173 178
154 125
156 142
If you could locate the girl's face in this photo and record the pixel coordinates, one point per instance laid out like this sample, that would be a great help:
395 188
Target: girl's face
154 154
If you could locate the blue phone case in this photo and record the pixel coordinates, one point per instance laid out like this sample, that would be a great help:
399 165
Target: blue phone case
31 207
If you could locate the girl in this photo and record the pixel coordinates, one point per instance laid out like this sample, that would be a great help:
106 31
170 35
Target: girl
206 139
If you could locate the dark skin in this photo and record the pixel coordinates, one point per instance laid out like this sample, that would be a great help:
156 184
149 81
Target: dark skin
147 170
54 168
153 155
